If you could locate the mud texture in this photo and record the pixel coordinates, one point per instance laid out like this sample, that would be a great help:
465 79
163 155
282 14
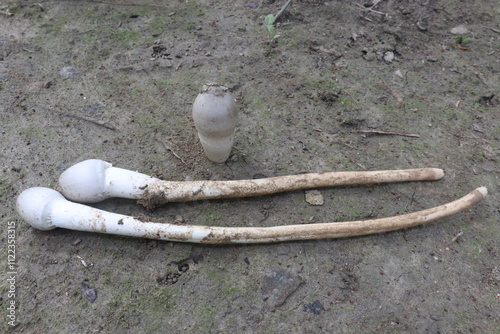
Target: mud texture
346 86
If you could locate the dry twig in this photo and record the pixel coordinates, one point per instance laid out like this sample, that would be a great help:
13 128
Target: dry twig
282 10
105 124
391 133
168 148
6 12
459 234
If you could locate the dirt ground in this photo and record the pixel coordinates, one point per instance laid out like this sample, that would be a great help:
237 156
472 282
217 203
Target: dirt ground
115 80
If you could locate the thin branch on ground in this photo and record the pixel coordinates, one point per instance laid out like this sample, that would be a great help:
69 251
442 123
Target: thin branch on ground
105 124
456 237
370 9
282 10
6 12
391 133
492 29
168 148
110 3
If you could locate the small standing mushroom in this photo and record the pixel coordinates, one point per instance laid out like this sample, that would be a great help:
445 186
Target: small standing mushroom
215 115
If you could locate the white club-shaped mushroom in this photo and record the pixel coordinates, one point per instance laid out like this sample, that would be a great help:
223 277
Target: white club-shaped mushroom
215 115
94 180
46 209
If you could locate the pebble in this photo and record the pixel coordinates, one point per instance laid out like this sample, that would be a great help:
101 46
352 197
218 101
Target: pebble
251 4
477 128
69 72
278 285
389 56
89 292
314 197
234 158
459 30
183 268
314 308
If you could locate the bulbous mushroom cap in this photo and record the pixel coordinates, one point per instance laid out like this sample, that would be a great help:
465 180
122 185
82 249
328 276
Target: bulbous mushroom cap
214 111
85 182
33 205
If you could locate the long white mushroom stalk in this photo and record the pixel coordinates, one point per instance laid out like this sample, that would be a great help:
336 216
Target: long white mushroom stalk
95 180
46 209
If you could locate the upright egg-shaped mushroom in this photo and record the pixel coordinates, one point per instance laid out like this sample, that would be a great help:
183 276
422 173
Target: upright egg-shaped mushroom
215 115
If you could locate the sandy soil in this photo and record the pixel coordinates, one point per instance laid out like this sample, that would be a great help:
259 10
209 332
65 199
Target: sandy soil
115 80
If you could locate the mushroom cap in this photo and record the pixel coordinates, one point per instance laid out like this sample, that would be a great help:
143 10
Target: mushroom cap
214 112
34 206
85 182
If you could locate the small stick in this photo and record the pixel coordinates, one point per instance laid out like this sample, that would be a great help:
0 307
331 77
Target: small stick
168 148
492 29
107 125
386 133
370 9
6 12
456 237
179 65
46 209
282 10
95 180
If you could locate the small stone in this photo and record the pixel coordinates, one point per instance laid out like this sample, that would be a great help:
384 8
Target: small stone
69 72
184 267
477 128
234 158
251 4
389 56
88 292
314 197
314 308
277 285
459 30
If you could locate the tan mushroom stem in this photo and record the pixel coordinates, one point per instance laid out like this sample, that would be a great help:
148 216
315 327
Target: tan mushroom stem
46 209
95 180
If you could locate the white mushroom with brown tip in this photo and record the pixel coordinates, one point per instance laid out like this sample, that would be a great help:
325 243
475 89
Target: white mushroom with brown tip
215 115
95 180
46 209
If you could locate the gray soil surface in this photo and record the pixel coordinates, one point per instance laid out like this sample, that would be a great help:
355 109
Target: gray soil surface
115 80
